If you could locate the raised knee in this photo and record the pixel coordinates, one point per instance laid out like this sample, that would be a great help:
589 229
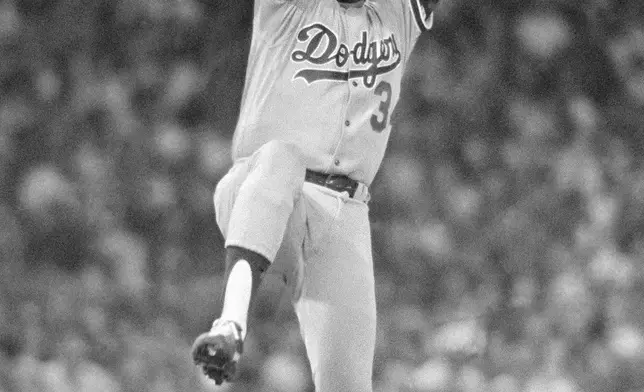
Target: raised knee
279 166
284 161
283 155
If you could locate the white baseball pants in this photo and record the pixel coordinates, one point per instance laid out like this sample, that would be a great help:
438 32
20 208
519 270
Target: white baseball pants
320 240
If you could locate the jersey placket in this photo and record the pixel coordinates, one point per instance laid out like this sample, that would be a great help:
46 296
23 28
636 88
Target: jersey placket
350 86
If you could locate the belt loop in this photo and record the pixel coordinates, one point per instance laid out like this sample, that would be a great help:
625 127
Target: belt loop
362 193
367 196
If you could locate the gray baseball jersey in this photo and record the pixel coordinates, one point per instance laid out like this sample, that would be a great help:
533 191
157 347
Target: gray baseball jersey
327 78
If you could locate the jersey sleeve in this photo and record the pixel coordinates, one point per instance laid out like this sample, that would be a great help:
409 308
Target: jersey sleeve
409 17
422 13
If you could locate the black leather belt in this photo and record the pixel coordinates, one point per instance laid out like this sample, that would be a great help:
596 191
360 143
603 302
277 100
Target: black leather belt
337 182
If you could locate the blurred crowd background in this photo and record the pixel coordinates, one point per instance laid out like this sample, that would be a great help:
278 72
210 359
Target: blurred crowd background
508 216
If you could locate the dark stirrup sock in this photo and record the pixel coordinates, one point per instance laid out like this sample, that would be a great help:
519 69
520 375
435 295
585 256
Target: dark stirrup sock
258 265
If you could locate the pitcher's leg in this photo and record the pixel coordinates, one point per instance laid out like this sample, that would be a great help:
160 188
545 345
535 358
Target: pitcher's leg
265 199
255 229
261 207
337 309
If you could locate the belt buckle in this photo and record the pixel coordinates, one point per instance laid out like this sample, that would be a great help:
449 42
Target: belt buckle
331 183
328 180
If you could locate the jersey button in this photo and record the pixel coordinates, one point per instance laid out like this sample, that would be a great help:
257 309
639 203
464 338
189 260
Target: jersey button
355 84
347 123
337 162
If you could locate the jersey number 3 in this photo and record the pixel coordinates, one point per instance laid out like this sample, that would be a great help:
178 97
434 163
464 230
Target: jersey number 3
382 89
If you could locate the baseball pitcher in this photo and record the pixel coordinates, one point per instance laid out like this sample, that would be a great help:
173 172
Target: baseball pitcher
322 81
